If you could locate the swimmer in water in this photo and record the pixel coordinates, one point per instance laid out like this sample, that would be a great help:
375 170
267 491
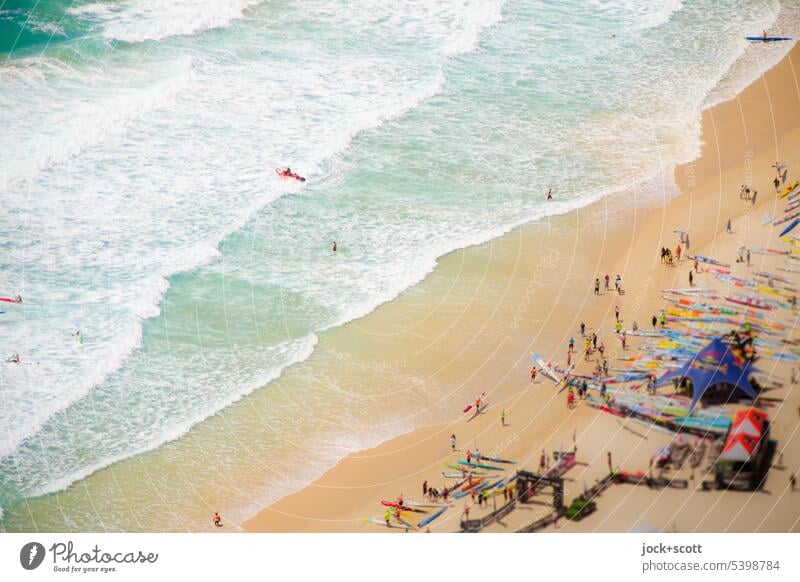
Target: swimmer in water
14 359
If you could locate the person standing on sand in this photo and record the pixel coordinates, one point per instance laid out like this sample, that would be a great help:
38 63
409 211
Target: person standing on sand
597 286
686 241
607 280
616 312
793 482
503 418
728 226
691 279
542 461
678 252
469 457
533 374
571 344
655 321
424 488
594 340
583 329
453 442
624 341
777 183
696 266
663 319
753 199
388 517
610 468
217 519
748 257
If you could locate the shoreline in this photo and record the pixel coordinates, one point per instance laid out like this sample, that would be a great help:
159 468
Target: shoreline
343 474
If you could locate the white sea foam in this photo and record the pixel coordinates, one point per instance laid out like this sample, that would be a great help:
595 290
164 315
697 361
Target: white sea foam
151 20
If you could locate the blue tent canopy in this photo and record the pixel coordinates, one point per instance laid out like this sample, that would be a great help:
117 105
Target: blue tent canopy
714 364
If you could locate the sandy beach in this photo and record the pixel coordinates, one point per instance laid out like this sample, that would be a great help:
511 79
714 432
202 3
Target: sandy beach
470 327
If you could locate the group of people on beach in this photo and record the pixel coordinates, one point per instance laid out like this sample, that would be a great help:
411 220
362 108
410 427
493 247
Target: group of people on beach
607 284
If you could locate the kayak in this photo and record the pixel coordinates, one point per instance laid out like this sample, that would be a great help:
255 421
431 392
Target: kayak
790 228
749 301
289 175
479 466
9 299
430 518
768 38
398 506
469 406
475 483
496 460
544 369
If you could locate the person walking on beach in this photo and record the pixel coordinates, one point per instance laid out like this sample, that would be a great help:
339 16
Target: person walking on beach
691 279
624 339
425 488
663 319
533 374
655 321
542 461
753 199
597 286
610 468
793 482
503 418
469 457
635 326
616 312
728 226
686 241
583 329
571 344
607 280
587 348
453 442
777 183
569 358
678 252
217 519
696 266
602 349
388 517
748 257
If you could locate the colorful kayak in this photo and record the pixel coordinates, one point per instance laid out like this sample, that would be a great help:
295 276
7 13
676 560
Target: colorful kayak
10 299
479 466
496 460
430 518
790 228
756 302
767 38
469 406
546 369
288 175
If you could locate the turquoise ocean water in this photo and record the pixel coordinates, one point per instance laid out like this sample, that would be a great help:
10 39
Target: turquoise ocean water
139 202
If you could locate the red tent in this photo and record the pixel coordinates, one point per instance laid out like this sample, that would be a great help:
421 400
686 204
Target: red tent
746 432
